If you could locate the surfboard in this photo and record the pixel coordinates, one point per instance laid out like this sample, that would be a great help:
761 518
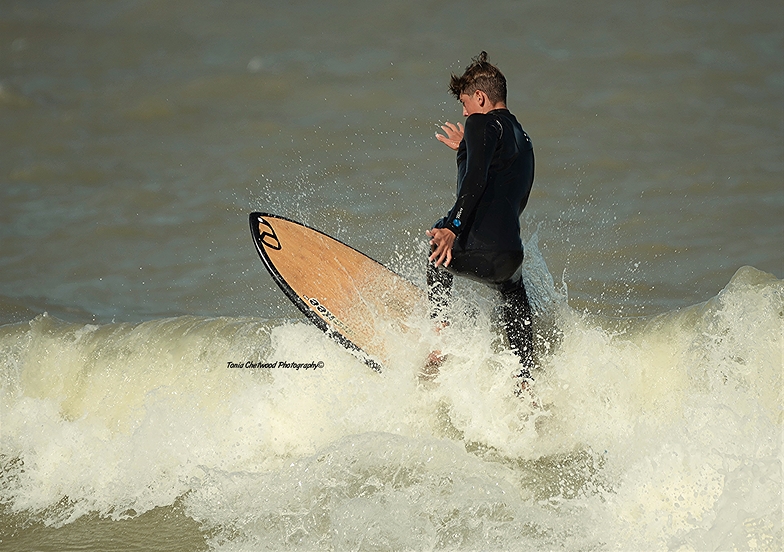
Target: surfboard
356 300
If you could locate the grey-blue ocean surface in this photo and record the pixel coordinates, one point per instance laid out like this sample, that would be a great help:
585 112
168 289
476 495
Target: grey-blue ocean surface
139 406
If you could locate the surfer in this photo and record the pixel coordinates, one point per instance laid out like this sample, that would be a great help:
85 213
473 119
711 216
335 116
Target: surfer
479 238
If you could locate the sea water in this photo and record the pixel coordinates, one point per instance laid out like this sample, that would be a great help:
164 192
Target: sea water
158 391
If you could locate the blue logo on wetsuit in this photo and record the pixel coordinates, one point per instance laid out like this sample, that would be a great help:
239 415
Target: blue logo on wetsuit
456 222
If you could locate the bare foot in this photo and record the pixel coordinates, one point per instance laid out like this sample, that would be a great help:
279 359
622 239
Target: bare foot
523 389
430 370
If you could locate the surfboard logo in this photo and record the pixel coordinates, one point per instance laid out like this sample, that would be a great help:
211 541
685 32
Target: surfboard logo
267 235
324 312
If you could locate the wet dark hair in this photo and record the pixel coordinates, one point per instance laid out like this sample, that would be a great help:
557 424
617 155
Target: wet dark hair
480 75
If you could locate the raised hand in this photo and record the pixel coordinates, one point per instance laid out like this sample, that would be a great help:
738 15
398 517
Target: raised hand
454 134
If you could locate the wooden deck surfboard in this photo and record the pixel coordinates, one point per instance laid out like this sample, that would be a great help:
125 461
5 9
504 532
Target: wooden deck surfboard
351 297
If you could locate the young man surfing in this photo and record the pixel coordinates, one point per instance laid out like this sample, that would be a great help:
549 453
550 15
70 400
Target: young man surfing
480 236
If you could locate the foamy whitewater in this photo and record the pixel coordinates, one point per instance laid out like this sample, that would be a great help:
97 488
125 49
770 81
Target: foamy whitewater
159 392
658 433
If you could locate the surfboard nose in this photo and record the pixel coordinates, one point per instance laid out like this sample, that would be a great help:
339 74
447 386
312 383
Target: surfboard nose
351 297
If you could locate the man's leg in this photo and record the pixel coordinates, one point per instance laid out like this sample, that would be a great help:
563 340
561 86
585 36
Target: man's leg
490 267
439 288
517 318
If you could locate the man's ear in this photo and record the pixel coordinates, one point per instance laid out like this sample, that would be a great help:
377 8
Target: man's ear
481 97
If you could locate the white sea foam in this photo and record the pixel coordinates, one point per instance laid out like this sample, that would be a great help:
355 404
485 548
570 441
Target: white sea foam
659 433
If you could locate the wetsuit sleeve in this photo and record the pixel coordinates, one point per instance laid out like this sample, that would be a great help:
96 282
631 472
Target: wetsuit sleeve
482 133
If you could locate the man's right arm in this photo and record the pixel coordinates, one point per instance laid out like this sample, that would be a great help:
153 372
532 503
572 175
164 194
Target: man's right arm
481 136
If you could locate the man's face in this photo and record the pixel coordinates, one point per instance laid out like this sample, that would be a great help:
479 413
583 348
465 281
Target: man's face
471 104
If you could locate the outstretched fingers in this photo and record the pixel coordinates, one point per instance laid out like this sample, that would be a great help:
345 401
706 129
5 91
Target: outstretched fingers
441 242
453 134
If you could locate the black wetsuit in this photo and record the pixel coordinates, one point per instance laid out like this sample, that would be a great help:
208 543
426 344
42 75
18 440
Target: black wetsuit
495 172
